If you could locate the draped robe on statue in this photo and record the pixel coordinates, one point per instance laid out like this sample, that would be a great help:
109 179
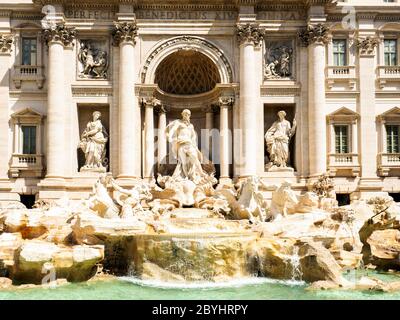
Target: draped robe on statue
183 139
277 138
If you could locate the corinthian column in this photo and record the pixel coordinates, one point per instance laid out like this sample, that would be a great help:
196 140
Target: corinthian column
56 38
162 139
249 36
129 111
224 104
149 105
316 37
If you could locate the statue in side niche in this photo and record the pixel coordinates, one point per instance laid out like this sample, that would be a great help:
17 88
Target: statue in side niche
93 143
277 139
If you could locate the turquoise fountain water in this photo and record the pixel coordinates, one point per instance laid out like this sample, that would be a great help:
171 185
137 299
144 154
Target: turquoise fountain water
128 288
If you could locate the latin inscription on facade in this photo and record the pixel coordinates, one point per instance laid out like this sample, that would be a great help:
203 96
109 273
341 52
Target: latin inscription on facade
90 14
281 15
186 15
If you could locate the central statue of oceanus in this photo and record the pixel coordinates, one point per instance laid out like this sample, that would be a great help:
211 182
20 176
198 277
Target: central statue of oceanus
183 139
189 181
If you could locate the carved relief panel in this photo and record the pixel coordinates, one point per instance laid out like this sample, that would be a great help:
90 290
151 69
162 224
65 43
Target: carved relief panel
93 59
279 60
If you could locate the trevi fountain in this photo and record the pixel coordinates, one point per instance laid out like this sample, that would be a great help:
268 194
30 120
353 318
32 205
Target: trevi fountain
199 149
186 235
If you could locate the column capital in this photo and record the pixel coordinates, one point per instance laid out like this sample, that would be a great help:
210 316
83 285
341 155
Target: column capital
226 101
207 109
162 109
317 33
59 33
6 41
249 33
125 31
151 102
366 46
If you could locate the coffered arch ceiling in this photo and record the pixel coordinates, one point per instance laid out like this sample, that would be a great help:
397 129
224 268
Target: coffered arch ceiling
187 72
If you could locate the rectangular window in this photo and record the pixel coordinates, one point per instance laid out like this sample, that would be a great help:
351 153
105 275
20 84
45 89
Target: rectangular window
392 139
339 52
29 51
28 139
390 50
341 139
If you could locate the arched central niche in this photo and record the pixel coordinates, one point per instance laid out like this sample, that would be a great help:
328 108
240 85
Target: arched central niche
187 72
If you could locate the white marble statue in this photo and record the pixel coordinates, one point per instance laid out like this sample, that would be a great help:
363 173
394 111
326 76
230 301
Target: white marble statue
94 61
248 202
130 199
277 139
183 138
93 143
283 200
270 70
100 200
284 62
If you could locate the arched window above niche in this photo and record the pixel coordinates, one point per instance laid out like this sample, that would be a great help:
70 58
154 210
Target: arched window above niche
28 66
27 157
343 157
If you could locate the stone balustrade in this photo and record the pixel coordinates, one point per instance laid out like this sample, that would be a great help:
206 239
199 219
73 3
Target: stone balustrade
388 162
30 164
345 163
341 74
28 73
387 75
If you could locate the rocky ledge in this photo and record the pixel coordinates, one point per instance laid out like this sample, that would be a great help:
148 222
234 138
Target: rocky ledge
317 244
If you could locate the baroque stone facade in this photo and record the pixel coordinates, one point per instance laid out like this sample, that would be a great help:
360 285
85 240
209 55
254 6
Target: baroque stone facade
233 65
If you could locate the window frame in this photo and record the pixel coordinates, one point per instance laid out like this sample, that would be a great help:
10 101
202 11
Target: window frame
345 53
387 137
23 38
27 117
348 140
396 52
30 151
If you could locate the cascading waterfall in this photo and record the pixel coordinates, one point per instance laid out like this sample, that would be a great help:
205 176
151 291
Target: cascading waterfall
294 262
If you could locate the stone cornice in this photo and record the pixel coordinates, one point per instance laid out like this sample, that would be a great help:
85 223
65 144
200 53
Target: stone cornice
26 15
249 33
5 13
314 34
86 91
182 4
280 90
59 33
124 32
186 6
6 41
366 15
280 6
